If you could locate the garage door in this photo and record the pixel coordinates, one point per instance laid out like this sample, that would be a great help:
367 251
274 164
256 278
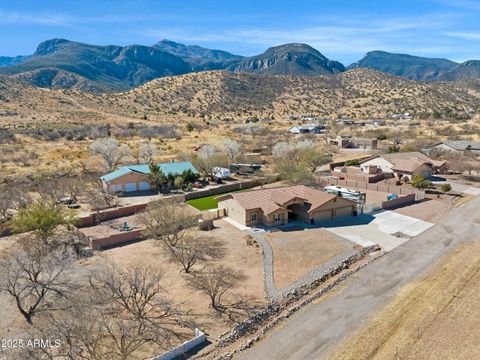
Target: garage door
129 187
116 187
322 216
345 211
144 185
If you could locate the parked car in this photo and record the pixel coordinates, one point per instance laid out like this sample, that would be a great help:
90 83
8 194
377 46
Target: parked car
198 185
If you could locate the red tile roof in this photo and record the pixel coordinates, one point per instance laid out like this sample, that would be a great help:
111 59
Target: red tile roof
271 200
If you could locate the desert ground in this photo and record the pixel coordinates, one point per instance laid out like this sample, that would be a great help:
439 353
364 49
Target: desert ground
246 258
296 252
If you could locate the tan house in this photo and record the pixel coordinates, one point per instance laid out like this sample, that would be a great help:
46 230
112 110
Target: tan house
277 206
132 178
403 165
347 141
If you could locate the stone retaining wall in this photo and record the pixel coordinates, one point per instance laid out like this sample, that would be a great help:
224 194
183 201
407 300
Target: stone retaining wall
252 324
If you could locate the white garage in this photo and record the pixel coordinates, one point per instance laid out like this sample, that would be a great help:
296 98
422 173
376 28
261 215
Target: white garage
144 185
129 187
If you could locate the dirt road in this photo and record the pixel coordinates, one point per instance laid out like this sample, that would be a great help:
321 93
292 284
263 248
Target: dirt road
318 327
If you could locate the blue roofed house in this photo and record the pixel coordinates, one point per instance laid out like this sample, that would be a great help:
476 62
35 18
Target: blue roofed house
130 178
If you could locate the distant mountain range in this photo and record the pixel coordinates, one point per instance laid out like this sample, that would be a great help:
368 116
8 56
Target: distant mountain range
60 63
12 60
419 68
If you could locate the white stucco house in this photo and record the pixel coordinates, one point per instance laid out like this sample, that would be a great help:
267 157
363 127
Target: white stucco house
306 129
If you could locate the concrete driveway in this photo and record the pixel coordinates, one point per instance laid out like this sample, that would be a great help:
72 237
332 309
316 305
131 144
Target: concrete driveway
366 229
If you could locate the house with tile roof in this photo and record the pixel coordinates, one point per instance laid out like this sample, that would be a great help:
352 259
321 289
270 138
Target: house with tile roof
130 178
457 146
270 207
403 165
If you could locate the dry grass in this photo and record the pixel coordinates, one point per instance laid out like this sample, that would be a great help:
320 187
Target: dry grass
436 317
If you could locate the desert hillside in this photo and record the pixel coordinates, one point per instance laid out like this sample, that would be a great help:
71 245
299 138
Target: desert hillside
221 95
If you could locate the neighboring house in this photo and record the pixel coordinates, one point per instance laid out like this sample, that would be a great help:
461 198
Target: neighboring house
367 144
405 116
277 206
347 141
306 129
131 178
403 165
341 141
458 146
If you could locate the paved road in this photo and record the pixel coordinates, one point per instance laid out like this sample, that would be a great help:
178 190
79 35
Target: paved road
318 327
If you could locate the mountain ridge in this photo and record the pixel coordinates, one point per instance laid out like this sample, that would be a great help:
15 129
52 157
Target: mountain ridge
289 59
113 68
409 66
61 63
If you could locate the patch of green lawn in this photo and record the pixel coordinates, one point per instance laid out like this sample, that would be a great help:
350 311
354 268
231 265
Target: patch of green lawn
208 202
205 203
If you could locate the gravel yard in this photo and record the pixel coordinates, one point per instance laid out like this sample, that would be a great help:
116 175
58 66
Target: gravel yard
297 252
111 227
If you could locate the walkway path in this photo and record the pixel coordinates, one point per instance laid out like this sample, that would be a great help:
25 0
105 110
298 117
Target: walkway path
268 270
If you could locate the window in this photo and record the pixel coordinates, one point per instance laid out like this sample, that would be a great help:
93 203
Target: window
277 217
253 216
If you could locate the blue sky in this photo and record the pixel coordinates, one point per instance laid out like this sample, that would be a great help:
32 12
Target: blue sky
341 30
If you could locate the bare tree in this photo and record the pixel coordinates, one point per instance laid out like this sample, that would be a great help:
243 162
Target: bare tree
314 158
146 153
111 153
215 281
192 249
100 199
51 189
72 186
232 149
35 278
208 158
128 317
79 332
12 199
135 310
296 162
136 291
168 220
